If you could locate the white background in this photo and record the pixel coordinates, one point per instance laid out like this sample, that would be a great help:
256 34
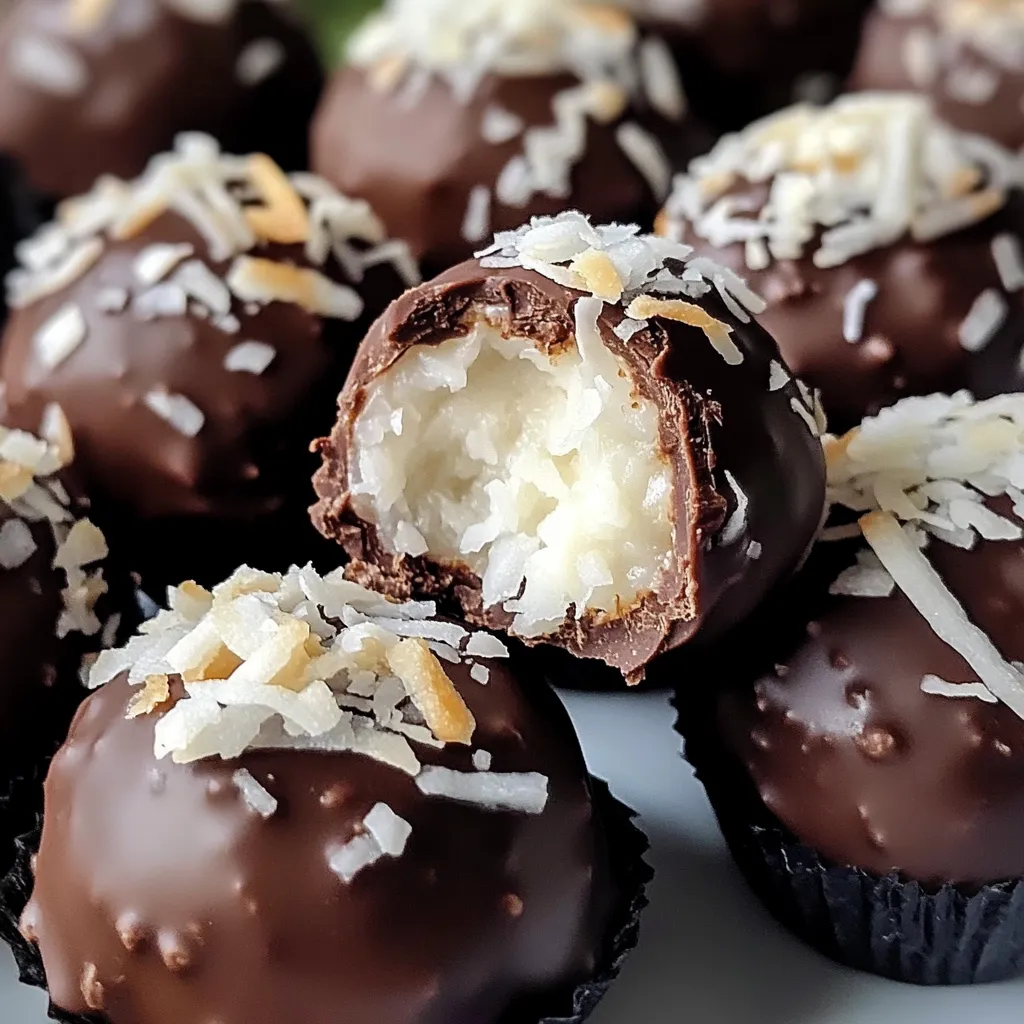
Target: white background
708 954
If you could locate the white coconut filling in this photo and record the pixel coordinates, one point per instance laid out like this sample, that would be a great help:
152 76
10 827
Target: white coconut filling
523 467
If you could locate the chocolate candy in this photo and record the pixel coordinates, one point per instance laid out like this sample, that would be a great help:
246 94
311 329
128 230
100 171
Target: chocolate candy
92 87
740 59
457 120
600 452
890 736
886 244
195 339
59 595
418 845
966 55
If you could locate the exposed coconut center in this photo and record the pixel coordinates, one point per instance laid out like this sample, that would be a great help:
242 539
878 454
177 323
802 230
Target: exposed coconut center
522 466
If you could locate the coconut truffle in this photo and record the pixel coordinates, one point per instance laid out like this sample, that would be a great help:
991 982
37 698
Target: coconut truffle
59 599
195 326
890 736
580 438
886 244
281 805
966 55
93 87
740 59
457 120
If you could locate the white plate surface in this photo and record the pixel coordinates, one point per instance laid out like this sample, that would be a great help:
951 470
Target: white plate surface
708 953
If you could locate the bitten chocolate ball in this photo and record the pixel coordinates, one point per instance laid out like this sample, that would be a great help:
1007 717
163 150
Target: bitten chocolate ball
195 326
456 120
93 87
60 600
740 59
887 246
966 55
890 737
344 828
600 452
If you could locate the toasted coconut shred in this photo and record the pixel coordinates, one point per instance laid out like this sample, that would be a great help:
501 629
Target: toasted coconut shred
33 495
542 473
410 41
927 468
238 205
847 179
299 661
933 52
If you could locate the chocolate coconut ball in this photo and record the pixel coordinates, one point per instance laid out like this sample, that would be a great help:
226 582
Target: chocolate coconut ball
579 439
93 87
321 823
966 55
740 59
195 325
870 782
886 244
60 601
456 120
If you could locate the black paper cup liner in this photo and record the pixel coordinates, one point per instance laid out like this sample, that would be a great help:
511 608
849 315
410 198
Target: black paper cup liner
630 873
888 925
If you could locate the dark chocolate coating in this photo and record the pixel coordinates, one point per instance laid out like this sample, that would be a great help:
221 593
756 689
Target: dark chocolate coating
418 164
910 344
192 908
741 59
859 763
237 491
152 74
880 65
714 417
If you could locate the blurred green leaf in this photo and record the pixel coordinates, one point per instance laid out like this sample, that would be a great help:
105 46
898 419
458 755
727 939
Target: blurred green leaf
333 21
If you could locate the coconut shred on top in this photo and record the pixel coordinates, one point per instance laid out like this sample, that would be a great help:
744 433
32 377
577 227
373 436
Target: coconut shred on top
238 205
410 41
542 472
843 180
926 468
303 662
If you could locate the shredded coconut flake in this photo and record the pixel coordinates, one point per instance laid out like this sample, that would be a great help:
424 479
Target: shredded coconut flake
1009 261
177 410
513 791
646 154
855 307
261 59
17 545
987 315
156 261
939 687
48 64
500 125
256 797
60 336
250 357
390 831
778 376
476 224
